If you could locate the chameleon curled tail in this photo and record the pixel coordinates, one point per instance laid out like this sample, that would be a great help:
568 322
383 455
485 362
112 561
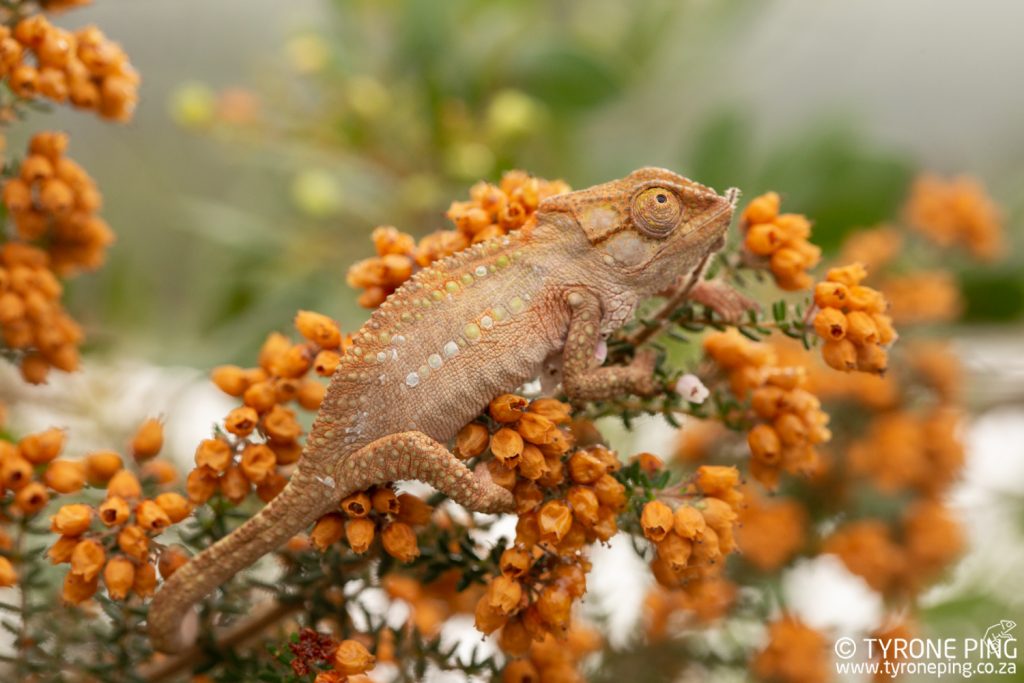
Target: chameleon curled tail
172 624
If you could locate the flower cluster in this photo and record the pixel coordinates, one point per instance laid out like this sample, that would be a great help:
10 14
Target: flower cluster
789 420
795 653
705 600
554 659
375 513
332 661
957 211
491 211
901 451
52 203
431 604
691 540
923 296
779 242
39 60
771 530
853 322
900 558
263 434
113 539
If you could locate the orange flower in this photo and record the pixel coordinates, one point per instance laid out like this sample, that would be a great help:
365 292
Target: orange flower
956 211
399 541
779 242
72 520
87 559
148 440
359 533
352 658
656 520
114 511
554 521
119 575
65 476
795 653
328 530
125 485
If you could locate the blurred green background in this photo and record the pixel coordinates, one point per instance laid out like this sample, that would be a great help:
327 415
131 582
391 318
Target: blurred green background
234 210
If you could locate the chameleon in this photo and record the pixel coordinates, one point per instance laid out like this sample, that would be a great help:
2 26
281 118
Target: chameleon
471 327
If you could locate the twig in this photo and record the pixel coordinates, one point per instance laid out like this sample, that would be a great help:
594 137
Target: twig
262 617
661 319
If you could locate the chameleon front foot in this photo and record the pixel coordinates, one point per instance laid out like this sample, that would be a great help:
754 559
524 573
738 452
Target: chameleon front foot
414 455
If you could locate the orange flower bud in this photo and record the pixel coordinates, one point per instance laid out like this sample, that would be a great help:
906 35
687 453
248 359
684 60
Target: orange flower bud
311 394
765 444
656 520
31 498
791 429
61 550
527 496
706 551
359 533
850 275
257 462
151 516
515 562
867 299
114 511
119 575
260 396
840 355
287 453
65 476
554 410
555 605
327 531
132 541
326 362
201 484
585 467
172 558
832 295
507 446
764 238
319 329
520 671
507 408
610 492
830 323
100 466
42 447
584 503
174 506
15 471
352 658
8 577
488 618
145 580
214 454
554 521
532 464
357 505
527 530
675 550
241 421
385 501
400 542
861 328
413 510
688 523
77 589
280 425
762 209
514 639
886 331
503 594
160 471
124 484
537 429
715 480
794 226
87 558
607 525
148 440
230 379
71 520
234 484
718 514
872 358
471 441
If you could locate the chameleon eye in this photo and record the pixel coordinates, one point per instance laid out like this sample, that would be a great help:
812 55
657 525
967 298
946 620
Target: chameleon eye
657 211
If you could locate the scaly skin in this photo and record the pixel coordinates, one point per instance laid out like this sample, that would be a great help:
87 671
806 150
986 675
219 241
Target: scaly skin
471 327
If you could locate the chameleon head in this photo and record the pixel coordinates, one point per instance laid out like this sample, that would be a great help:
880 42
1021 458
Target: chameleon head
648 228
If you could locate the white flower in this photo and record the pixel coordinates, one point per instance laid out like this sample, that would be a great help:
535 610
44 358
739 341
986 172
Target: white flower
692 389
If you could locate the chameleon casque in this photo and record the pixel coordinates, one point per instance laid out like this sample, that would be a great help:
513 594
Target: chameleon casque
463 331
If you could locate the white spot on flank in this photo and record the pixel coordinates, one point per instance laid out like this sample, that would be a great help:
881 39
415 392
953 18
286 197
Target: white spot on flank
381 356
326 481
486 322
480 271
450 349
412 379
434 361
